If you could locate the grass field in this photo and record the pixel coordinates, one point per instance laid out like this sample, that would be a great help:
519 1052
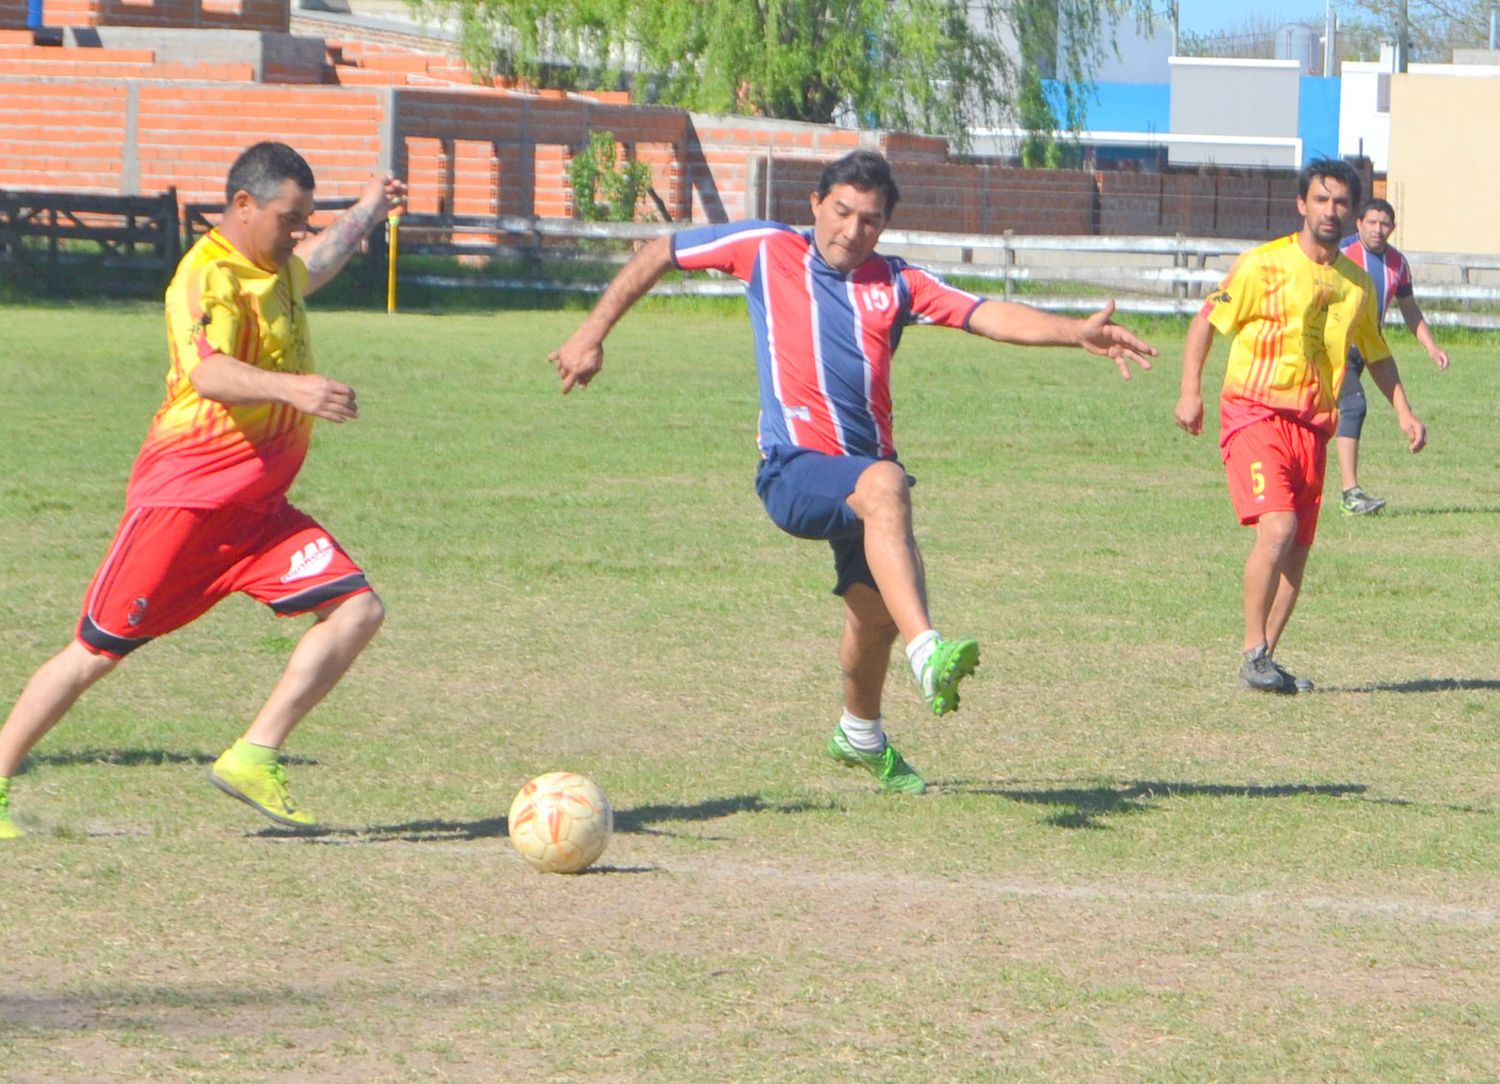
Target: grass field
1128 869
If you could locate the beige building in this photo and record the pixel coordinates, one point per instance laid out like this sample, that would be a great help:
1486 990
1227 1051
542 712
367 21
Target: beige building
1444 176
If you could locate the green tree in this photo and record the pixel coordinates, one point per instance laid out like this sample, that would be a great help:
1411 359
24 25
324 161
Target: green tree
938 66
1434 27
605 187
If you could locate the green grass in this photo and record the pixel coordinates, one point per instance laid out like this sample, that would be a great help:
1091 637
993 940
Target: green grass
1128 868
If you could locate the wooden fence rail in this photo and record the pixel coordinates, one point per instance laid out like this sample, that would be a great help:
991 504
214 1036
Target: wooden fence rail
123 243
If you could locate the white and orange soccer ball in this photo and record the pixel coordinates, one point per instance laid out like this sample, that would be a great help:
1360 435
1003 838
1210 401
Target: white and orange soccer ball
561 822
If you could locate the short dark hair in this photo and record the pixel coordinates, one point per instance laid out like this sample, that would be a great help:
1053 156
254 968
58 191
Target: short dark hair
1377 204
864 170
263 168
1331 169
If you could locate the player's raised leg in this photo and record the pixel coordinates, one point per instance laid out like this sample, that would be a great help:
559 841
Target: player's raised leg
859 739
251 768
52 690
882 500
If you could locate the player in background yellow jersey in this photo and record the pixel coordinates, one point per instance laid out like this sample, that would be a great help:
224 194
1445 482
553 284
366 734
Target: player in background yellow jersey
206 513
1294 307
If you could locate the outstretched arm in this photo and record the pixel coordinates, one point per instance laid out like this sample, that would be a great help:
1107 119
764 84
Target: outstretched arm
580 358
1200 338
1023 325
1388 379
1416 323
326 253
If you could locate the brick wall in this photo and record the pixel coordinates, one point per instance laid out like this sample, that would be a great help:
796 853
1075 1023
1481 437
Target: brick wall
137 125
197 14
180 133
32 153
145 136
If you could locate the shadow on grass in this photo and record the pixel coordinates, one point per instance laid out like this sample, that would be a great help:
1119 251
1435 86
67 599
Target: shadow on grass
1085 807
1456 510
638 819
132 758
1422 685
121 1009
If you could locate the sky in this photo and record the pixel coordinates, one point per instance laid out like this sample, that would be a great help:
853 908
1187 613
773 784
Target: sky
1211 16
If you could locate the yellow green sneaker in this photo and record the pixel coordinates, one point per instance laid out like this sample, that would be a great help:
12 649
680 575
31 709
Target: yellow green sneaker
950 662
886 766
255 776
8 827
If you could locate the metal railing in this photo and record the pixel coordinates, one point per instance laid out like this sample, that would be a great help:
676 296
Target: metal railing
1156 275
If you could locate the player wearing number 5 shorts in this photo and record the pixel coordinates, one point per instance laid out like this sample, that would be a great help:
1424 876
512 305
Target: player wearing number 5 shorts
1294 308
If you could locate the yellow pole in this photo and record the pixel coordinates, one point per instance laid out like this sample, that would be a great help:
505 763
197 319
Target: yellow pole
392 222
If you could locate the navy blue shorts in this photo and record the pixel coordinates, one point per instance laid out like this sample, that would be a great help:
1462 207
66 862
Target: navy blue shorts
1352 406
806 494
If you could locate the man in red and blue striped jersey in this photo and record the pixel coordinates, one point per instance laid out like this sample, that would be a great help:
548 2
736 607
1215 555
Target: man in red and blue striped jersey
1370 249
828 313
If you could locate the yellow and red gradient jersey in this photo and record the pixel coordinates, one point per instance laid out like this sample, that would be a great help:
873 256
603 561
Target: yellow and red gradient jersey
1292 321
200 453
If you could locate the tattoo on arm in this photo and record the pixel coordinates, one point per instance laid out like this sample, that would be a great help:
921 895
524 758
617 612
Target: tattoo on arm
341 239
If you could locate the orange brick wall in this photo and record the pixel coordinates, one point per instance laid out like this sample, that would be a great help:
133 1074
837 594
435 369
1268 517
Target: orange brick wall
181 137
87 154
199 14
479 151
179 134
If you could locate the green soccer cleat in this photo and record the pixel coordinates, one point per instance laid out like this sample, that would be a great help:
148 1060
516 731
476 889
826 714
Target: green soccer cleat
950 662
887 766
261 785
8 827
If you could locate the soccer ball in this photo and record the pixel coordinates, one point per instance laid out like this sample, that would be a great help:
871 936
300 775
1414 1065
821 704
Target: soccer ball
560 822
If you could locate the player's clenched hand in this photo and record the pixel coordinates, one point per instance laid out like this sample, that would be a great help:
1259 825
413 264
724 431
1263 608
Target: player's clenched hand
323 398
1101 335
1190 413
577 362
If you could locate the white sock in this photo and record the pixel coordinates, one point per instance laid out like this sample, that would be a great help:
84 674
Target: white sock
920 650
866 735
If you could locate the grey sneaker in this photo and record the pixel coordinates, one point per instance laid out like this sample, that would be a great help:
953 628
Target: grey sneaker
1356 502
1291 683
1259 672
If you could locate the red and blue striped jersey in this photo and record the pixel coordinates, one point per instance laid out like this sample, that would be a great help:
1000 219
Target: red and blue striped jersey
823 339
1391 272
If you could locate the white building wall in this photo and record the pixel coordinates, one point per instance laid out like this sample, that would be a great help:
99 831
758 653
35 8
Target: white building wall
1364 112
1238 112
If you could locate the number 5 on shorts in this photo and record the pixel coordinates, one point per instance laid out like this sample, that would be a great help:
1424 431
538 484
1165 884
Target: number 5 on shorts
1257 479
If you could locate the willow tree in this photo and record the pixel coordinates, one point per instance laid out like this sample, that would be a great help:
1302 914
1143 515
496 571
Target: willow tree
938 66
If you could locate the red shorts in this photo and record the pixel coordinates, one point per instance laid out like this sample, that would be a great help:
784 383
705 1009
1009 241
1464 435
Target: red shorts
168 566
1276 465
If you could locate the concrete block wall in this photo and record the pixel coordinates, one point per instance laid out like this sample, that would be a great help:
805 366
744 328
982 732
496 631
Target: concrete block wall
1254 205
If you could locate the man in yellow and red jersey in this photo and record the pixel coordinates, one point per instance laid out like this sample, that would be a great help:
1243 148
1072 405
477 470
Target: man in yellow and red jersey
1294 307
206 513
